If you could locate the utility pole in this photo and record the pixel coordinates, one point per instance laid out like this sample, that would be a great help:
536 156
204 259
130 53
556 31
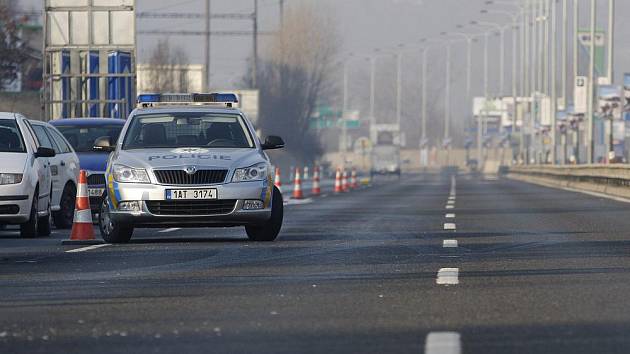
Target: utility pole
576 69
591 87
281 13
447 99
552 86
372 90
565 41
255 46
399 58
424 94
207 46
344 127
611 40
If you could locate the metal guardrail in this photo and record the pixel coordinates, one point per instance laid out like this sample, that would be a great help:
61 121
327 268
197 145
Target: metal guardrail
605 175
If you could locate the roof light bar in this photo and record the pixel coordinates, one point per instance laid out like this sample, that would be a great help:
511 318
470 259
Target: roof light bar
150 99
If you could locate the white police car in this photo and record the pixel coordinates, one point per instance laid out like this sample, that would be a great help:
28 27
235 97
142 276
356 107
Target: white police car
189 160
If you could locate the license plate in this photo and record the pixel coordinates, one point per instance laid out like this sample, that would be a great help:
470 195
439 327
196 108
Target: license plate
191 194
95 192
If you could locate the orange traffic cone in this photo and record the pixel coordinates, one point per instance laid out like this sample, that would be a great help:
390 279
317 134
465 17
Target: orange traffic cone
353 180
297 185
278 180
344 181
338 187
82 229
316 189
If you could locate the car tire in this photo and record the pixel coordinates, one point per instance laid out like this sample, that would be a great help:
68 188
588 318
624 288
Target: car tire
29 228
111 231
43 224
269 231
64 217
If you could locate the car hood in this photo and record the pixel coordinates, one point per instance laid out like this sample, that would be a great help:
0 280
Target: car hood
13 162
93 161
182 157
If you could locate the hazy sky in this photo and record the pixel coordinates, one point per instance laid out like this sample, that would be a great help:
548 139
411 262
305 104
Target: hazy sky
364 26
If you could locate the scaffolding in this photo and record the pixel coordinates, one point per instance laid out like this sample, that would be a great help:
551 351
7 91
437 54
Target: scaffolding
89 58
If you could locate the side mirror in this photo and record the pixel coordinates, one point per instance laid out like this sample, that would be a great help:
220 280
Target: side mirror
104 144
273 142
45 152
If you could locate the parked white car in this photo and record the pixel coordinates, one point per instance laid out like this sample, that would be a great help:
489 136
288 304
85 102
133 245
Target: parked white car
25 177
64 170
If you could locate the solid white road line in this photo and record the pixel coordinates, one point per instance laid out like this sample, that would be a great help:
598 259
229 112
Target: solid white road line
449 244
449 226
448 276
83 249
169 230
443 343
450 207
450 216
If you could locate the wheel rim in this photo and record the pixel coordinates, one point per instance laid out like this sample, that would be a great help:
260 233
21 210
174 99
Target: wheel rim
106 221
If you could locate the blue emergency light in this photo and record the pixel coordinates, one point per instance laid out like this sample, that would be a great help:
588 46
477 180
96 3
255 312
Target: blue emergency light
187 98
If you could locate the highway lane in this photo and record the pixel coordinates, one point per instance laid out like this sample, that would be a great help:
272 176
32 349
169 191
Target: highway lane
537 270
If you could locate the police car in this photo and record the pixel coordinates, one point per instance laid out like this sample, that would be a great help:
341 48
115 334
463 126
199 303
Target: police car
189 160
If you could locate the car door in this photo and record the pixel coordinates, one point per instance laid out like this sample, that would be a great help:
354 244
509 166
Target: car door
40 165
54 162
69 161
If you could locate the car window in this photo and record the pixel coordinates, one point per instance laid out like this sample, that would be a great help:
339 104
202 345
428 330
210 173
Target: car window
60 141
180 130
43 138
82 138
10 137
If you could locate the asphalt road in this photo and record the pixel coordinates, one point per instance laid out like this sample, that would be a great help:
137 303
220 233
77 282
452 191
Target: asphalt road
535 270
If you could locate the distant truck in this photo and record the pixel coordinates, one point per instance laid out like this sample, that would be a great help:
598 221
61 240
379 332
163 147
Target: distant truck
385 155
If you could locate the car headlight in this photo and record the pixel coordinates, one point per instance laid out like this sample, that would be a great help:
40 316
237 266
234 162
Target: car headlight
125 174
10 178
257 172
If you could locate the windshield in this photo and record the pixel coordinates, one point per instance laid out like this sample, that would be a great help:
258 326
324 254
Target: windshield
187 130
82 138
10 137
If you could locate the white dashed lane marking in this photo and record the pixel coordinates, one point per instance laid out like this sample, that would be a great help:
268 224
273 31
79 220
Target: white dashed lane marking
449 243
450 207
443 343
449 226
83 249
169 230
449 216
448 276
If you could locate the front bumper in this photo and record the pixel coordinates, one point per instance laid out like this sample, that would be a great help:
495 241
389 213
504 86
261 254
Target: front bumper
15 204
237 216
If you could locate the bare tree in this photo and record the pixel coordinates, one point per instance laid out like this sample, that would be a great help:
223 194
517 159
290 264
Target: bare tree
168 69
294 76
12 50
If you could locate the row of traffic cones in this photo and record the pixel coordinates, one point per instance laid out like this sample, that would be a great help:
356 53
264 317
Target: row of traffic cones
342 182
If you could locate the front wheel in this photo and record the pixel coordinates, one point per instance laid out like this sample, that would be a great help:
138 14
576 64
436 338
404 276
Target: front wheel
112 231
29 228
64 217
269 231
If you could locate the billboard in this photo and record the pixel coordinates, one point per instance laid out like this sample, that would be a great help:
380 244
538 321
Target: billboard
626 92
609 101
580 95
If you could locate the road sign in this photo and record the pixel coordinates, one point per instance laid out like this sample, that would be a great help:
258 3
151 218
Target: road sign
580 95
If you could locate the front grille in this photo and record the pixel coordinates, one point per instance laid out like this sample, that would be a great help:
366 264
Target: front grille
174 177
94 180
191 207
9 209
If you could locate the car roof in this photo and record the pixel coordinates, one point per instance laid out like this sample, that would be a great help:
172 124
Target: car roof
7 115
186 109
87 122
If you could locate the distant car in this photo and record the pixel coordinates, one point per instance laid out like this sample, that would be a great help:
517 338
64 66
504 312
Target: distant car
25 178
82 133
64 171
190 160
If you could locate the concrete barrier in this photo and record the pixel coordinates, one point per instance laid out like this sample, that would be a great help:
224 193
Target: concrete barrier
612 180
